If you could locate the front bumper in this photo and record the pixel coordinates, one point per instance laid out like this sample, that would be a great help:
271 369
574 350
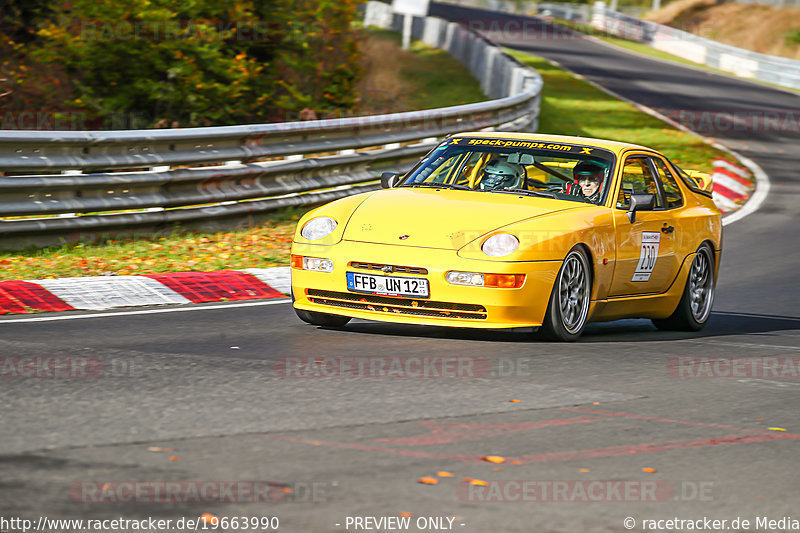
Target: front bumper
447 305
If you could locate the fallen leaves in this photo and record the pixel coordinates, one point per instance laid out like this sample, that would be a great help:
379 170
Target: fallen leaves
496 459
476 482
649 470
427 480
174 458
160 449
442 473
776 429
261 247
209 519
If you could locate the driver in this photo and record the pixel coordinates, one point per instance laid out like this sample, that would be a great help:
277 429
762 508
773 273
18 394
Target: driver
500 174
588 181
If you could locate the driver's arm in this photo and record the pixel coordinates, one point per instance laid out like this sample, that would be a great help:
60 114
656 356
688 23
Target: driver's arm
573 188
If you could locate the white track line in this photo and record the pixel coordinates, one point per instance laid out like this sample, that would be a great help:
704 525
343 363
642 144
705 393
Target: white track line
144 311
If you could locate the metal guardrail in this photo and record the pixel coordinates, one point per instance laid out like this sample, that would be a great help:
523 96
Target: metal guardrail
780 71
100 182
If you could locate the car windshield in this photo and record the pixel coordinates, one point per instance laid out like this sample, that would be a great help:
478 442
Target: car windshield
558 171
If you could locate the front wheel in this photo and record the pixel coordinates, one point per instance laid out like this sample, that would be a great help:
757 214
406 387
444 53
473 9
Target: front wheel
698 295
568 309
322 319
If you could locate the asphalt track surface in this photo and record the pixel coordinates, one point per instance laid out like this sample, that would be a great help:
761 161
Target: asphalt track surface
208 384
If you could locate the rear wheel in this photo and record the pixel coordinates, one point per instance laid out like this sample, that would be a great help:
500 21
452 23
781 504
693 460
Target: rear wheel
568 309
322 319
698 296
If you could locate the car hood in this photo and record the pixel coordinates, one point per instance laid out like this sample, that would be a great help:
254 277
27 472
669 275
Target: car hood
446 219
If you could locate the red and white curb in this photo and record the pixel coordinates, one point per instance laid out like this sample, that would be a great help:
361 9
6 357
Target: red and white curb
733 185
107 292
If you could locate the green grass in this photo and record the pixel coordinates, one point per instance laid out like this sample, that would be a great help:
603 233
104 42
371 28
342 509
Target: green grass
571 106
425 77
439 80
265 246
792 37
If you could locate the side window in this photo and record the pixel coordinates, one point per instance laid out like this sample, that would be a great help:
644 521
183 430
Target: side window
637 178
672 193
439 169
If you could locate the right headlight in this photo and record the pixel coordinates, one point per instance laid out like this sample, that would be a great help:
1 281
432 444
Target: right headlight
317 228
500 245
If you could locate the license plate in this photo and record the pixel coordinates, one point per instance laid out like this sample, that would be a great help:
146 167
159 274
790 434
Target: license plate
387 285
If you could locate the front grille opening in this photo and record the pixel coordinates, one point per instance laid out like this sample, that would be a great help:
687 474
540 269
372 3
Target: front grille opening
400 306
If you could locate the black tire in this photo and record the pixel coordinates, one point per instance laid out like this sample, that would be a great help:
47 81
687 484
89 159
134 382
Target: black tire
698 296
322 319
568 308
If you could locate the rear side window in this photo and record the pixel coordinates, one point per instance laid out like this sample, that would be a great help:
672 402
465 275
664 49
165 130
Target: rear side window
672 193
637 178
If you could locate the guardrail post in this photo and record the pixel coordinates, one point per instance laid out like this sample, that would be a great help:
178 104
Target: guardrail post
378 14
599 15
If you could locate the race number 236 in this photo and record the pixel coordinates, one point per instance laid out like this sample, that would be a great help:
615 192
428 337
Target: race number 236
647 256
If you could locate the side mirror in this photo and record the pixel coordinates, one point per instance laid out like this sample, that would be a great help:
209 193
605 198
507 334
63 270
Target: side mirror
389 179
641 202
702 180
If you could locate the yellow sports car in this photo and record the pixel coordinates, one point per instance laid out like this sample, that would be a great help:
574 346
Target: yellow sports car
497 230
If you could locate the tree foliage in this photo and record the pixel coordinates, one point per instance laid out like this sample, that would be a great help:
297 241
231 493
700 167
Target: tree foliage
202 62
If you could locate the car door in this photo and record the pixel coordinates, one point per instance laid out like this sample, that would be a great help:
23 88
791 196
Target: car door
646 259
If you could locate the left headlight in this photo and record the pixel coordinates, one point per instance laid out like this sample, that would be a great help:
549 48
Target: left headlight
500 245
317 228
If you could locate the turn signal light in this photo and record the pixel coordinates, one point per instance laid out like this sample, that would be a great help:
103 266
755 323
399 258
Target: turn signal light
504 281
312 263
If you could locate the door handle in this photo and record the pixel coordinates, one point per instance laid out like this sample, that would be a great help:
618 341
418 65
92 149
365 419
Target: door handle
668 229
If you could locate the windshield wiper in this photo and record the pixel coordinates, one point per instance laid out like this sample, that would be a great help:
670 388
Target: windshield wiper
438 185
526 192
